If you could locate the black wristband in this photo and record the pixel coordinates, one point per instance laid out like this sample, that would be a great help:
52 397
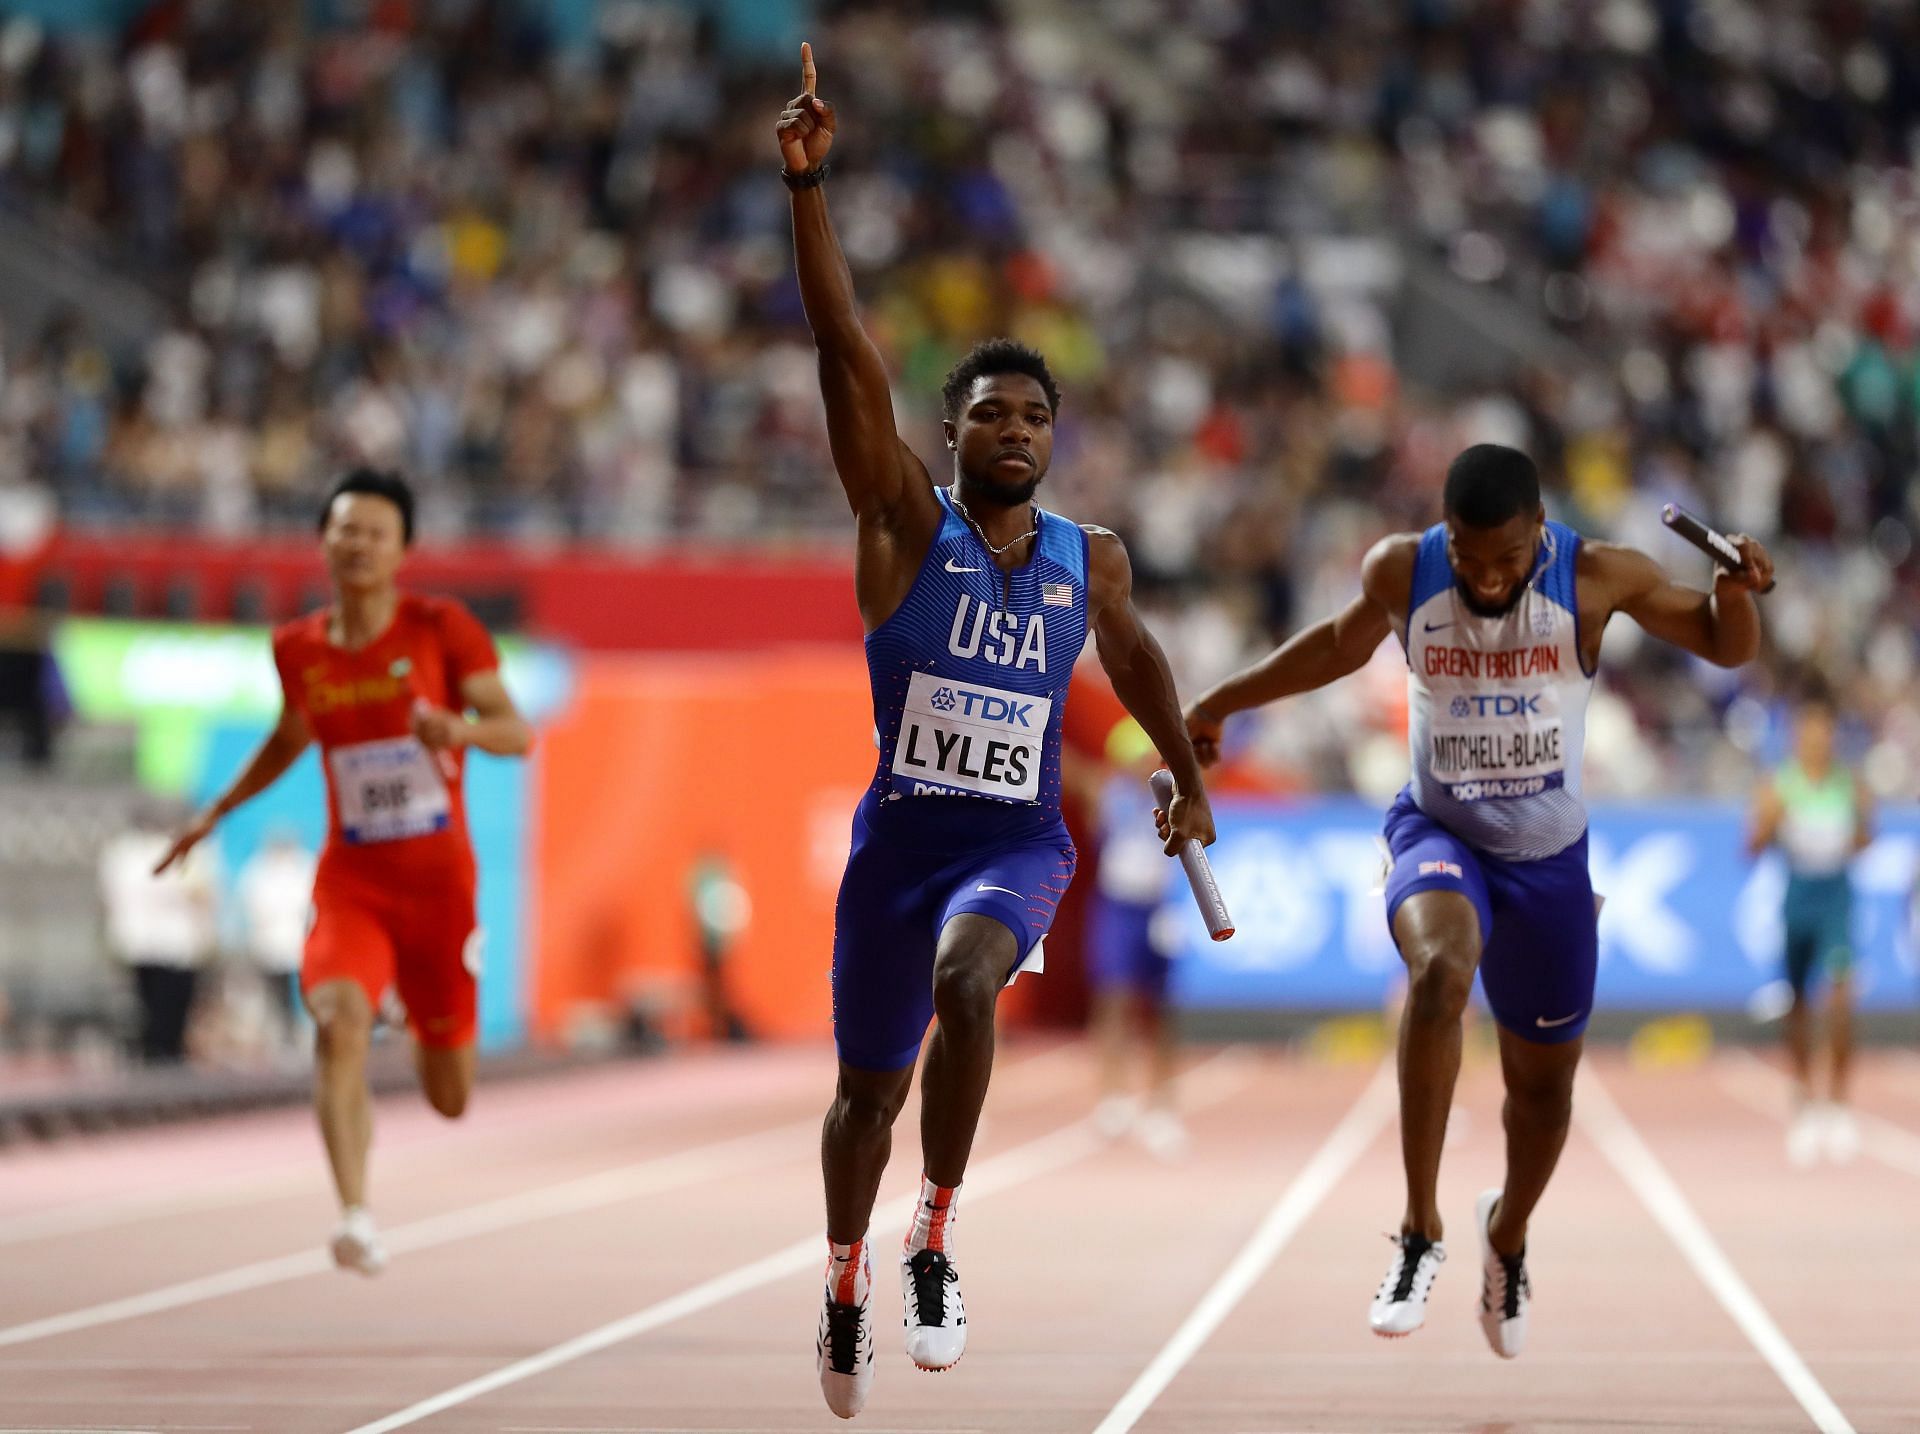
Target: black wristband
806 179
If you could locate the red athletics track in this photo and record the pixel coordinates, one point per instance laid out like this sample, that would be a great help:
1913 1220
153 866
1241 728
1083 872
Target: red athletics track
637 1249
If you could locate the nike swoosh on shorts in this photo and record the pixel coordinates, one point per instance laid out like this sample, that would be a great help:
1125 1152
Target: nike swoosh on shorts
1544 1024
984 887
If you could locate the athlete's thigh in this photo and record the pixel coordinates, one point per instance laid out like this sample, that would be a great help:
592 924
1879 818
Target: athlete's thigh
1425 858
1543 952
437 968
1020 887
348 941
1836 936
1801 948
883 950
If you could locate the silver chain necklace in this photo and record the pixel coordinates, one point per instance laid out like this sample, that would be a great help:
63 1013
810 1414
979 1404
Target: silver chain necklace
954 494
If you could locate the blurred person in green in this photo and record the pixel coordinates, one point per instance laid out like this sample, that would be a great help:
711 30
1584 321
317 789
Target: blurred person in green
722 910
1817 811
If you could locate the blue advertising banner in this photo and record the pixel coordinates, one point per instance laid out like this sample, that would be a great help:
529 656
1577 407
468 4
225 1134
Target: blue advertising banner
1689 923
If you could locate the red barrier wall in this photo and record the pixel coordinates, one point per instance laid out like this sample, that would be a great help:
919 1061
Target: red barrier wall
686 600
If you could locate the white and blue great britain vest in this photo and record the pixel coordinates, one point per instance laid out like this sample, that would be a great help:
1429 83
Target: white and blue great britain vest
969 680
1497 706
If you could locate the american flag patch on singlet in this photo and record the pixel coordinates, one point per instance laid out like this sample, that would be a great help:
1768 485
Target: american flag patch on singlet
1056 594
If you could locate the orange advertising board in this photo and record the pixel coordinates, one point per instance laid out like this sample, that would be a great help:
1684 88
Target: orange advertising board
661 763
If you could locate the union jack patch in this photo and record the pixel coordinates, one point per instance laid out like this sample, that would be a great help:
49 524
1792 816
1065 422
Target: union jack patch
1441 868
1056 594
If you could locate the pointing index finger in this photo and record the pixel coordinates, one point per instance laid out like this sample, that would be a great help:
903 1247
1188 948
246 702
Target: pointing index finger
807 77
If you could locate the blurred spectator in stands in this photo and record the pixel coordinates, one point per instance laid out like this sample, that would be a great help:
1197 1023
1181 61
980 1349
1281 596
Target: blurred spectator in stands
275 892
33 699
165 929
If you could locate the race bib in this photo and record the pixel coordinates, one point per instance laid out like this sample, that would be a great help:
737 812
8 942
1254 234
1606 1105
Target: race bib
1491 746
960 737
388 791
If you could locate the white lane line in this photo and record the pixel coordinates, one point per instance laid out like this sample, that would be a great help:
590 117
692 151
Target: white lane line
1610 1129
571 1197
590 1192
1316 1180
1067 1145
287 1179
1885 1141
127 1210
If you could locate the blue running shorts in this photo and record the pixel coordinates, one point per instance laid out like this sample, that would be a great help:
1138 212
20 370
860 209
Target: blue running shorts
1540 937
894 902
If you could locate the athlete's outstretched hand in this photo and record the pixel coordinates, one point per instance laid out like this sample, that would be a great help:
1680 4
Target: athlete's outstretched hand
1190 820
438 729
186 839
1204 729
806 125
1756 572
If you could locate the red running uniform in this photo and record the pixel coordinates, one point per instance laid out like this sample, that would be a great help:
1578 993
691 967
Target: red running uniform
394 894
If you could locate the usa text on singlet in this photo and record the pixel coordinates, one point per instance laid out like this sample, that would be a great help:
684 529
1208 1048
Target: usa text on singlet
970 675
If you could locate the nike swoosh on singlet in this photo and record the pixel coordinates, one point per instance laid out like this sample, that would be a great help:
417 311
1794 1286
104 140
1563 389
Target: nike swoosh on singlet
1544 1024
952 569
1436 626
984 887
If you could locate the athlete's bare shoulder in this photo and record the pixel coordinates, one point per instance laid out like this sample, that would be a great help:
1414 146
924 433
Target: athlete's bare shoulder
300 631
1611 575
1386 572
426 607
1109 569
435 608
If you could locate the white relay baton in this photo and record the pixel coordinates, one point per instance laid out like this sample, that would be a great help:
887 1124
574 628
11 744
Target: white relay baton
1193 858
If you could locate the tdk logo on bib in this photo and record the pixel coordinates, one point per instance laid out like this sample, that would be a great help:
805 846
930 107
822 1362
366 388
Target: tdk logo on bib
961 737
1495 704
987 706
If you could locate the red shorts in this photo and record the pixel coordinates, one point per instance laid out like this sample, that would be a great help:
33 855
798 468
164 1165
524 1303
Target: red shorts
424 942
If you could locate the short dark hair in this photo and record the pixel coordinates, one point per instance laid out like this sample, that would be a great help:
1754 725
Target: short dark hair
996 356
1815 693
380 484
1491 484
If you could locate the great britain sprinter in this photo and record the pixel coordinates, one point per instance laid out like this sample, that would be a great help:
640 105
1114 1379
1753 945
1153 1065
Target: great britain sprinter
1500 613
976 603
394 686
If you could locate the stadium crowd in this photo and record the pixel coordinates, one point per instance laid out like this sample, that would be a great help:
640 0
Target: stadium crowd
552 283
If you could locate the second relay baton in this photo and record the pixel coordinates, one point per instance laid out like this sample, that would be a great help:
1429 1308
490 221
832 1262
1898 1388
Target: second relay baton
1193 859
1714 544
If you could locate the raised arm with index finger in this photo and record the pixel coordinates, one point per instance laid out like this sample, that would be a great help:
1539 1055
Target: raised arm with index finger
887 487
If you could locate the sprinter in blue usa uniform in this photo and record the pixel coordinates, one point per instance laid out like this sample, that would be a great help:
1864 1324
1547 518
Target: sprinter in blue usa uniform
976 604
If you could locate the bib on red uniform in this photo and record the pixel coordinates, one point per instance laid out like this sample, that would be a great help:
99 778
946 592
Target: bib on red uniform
392 805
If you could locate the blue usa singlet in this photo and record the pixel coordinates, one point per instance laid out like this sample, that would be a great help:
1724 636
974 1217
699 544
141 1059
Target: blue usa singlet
969 679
